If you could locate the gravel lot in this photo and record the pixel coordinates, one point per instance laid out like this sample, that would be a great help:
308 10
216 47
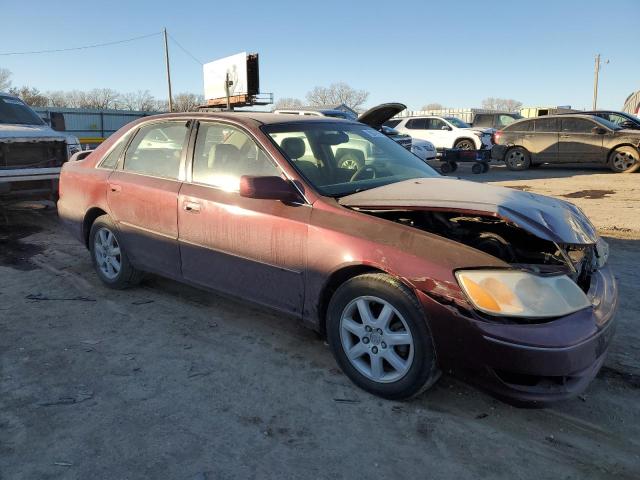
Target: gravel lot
168 382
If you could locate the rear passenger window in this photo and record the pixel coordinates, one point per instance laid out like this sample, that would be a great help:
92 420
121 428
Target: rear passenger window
417 124
520 127
156 150
224 153
111 160
546 125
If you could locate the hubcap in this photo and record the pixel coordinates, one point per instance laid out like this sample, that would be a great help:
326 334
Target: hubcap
107 253
624 160
465 145
350 164
516 158
376 339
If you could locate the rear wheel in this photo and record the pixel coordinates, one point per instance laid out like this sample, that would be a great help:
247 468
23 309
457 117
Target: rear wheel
109 258
624 160
379 337
517 158
465 144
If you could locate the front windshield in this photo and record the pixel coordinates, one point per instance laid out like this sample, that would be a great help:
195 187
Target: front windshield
15 112
456 122
339 159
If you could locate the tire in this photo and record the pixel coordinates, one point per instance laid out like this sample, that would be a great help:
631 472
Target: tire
113 269
624 160
465 144
485 167
446 167
477 168
395 370
454 166
517 158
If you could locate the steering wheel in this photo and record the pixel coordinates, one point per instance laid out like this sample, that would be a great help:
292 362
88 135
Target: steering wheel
361 173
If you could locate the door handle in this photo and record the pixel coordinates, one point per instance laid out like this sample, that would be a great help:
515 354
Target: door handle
191 207
115 188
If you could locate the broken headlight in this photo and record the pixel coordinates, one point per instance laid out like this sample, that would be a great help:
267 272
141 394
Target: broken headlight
521 294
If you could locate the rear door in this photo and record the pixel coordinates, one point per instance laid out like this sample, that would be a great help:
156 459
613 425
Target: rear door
578 143
143 196
246 247
417 128
542 142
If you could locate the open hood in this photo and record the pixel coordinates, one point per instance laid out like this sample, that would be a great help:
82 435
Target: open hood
547 218
376 116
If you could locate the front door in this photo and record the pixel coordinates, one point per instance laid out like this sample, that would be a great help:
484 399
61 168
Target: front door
143 196
246 247
578 142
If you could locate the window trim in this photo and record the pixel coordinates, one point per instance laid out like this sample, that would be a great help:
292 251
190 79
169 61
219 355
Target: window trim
183 155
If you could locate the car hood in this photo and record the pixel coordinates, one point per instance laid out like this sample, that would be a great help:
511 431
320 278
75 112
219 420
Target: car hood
376 116
27 133
545 217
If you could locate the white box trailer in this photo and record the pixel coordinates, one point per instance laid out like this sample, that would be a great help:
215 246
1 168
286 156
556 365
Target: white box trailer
465 114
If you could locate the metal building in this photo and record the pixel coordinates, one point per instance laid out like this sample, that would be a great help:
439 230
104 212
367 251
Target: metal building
632 104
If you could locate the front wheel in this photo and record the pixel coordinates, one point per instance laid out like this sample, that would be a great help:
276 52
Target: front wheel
109 257
624 160
517 158
379 337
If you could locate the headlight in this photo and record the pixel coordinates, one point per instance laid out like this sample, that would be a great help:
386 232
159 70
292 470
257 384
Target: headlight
521 294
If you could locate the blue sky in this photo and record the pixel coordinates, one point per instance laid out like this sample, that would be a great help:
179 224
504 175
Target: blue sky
416 52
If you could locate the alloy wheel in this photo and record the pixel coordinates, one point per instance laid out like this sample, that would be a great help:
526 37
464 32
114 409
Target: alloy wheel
465 145
376 339
623 160
107 253
516 159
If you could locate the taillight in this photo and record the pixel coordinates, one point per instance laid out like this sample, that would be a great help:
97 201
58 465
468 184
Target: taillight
495 138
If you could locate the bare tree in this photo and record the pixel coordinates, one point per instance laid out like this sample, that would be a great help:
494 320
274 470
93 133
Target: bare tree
141 100
433 106
287 102
30 95
504 104
5 79
185 102
337 93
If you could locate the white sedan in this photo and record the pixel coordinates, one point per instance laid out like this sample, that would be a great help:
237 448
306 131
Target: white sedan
423 149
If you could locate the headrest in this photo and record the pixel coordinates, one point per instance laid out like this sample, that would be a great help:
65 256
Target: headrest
226 152
293 147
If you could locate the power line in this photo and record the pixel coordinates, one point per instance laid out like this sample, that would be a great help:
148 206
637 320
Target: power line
96 45
184 49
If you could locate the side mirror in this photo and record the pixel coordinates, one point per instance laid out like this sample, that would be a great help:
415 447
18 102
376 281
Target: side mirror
598 130
445 127
267 188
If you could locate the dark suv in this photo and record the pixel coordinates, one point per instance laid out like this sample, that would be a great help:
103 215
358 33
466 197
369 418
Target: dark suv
495 120
567 139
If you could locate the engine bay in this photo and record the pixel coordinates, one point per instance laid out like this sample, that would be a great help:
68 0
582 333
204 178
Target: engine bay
502 239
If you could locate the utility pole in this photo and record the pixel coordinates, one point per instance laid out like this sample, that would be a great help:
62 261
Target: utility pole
596 73
595 83
166 58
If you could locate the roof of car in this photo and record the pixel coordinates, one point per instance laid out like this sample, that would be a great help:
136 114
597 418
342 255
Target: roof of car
261 118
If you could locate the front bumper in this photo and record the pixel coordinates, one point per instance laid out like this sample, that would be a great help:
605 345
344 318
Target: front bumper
528 363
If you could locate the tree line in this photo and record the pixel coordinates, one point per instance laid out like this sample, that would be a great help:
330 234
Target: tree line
98 98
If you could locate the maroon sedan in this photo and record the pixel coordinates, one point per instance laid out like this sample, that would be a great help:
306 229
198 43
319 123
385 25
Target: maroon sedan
407 273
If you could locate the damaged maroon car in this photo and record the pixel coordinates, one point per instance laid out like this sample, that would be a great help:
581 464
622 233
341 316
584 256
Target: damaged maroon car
407 273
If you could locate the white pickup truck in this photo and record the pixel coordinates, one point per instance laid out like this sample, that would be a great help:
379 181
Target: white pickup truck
31 153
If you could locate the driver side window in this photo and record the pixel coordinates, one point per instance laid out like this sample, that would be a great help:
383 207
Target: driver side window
224 153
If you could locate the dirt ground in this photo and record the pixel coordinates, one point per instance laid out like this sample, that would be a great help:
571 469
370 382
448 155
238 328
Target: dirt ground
168 382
